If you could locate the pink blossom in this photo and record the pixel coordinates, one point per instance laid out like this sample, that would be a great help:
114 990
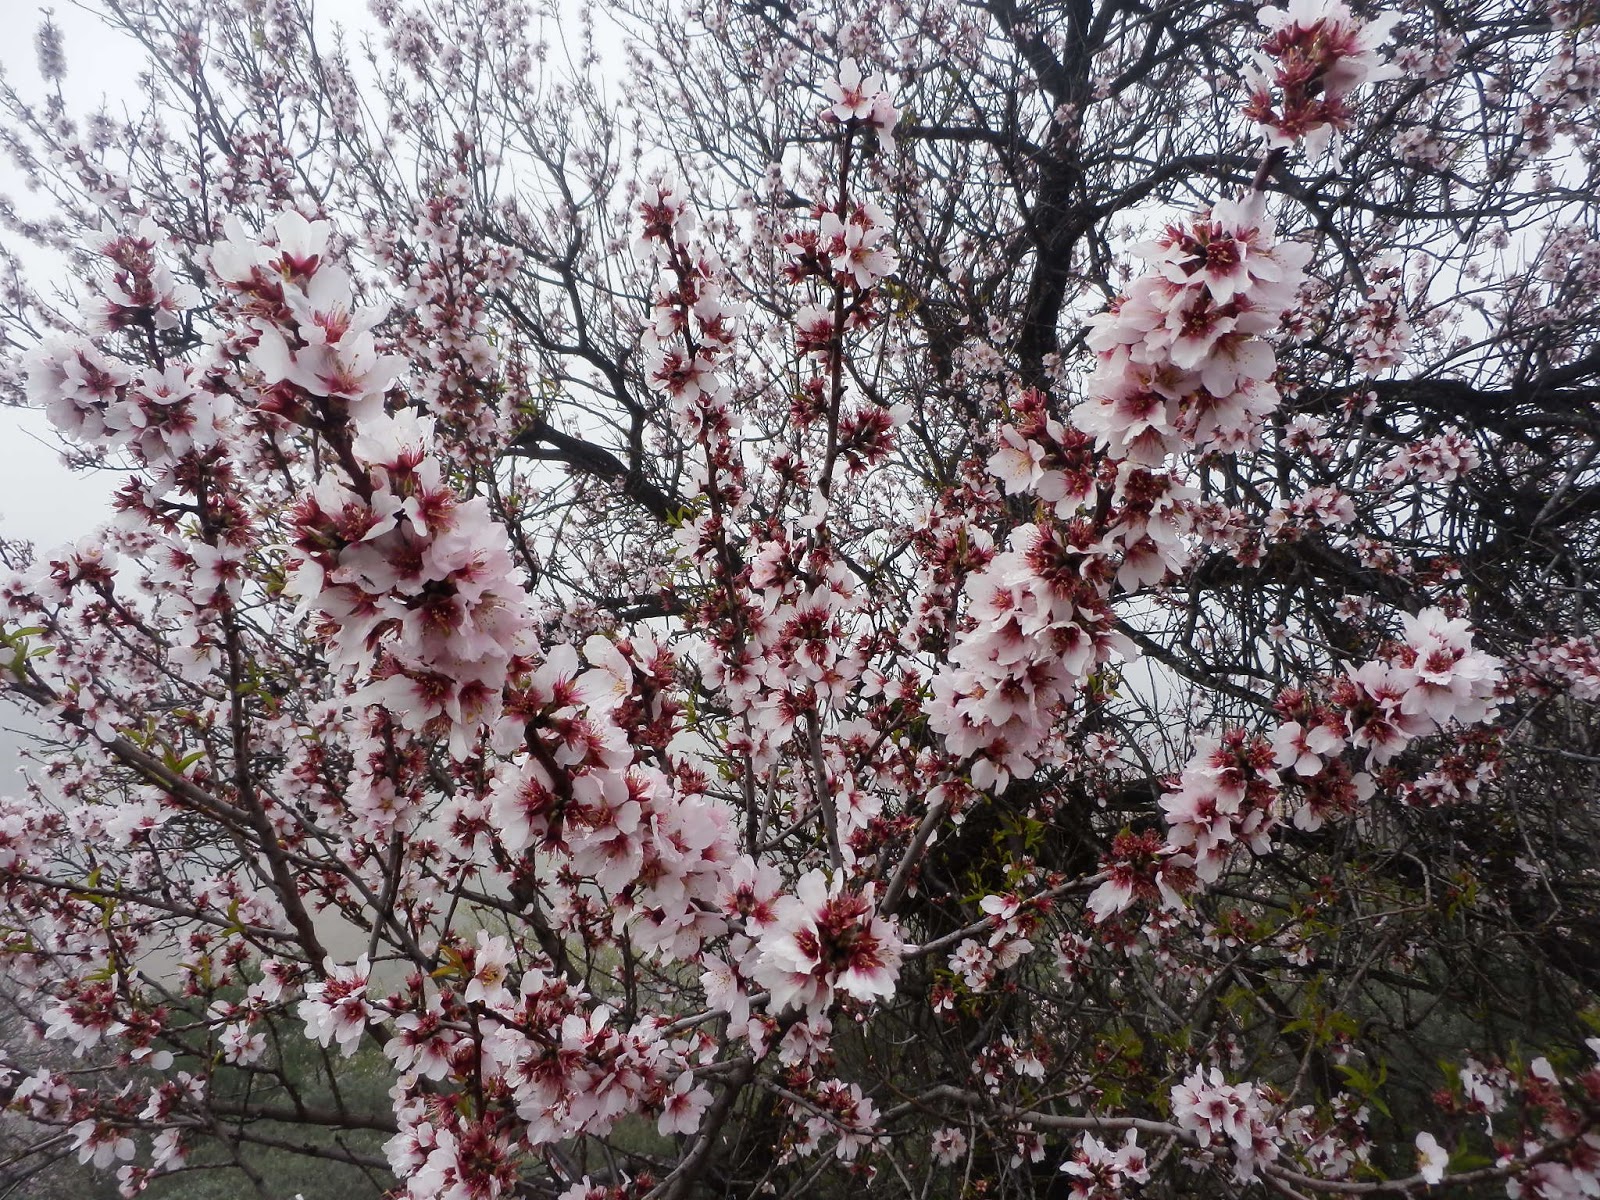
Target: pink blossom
103 1144
335 1008
824 938
949 1146
242 1047
852 94
683 1107
1100 1173
1302 750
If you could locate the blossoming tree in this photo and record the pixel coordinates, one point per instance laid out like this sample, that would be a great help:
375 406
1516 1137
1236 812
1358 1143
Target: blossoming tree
981 599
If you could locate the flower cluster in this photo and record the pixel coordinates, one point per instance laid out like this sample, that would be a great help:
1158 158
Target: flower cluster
823 940
1226 797
1039 456
335 1007
839 1110
139 291
1042 623
1101 1172
858 100
1443 458
1316 53
1141 866
853 247
413 585
1381 330
159 416
556 1065
1183 356
1434 678
1574 661
1239 1119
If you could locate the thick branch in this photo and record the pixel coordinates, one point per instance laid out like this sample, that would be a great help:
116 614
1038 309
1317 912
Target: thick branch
542 441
